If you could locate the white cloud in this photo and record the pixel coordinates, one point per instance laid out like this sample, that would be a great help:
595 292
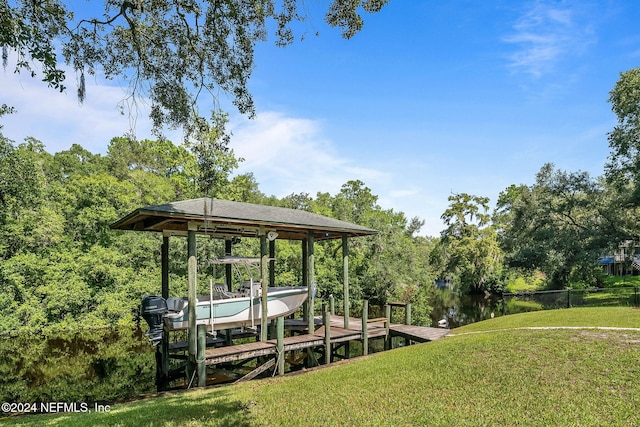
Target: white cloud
547 33
291 155
59 120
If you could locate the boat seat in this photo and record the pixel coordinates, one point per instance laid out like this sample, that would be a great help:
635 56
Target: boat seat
220 291
246 288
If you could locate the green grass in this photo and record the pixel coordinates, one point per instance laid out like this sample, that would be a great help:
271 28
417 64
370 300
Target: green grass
622 317
504 377
525 284
620 281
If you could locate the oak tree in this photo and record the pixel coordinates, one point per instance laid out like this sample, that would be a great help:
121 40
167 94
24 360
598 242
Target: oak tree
169 51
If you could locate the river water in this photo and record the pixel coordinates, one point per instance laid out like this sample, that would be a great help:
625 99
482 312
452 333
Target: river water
459 310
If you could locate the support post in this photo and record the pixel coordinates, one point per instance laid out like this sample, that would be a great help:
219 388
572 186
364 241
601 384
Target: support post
387 324
332 304
264 332
305 278
280 344
365 327
345 277
192 274
272 329
164 261
200 357
272 262
228 275
407 320
162 351
310 281
327 336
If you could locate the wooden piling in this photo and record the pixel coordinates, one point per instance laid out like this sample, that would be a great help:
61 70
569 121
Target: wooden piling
162 350
305 278
310 281
264 282
407 320
280 344
387 324
272 262
345 278
365 327
200 357
228 274
327 336
192 297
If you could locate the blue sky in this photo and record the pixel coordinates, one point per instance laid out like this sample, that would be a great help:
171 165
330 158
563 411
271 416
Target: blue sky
430 98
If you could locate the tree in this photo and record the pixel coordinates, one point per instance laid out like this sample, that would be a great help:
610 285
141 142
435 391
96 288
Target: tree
158 160
20 178
470 243
170 51
623 168
75 160
214 157
560 227
244 188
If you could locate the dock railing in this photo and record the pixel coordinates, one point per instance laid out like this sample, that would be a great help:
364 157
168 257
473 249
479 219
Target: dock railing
388 314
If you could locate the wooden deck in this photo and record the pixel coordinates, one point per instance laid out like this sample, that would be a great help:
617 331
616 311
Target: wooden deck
376 328
338 334
239 352
418 333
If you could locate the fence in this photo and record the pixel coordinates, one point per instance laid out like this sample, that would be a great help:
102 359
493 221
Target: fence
547 300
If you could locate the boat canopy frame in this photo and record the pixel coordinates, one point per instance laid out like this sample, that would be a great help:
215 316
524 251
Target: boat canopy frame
228 220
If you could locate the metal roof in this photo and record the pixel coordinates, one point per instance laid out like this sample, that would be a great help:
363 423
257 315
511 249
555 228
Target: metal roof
225 218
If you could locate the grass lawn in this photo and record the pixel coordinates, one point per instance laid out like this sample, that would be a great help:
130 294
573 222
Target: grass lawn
504 377
617 281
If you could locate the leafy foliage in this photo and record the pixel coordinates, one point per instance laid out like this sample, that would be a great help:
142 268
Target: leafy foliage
63 267
623 168
168 51
558 227
470 248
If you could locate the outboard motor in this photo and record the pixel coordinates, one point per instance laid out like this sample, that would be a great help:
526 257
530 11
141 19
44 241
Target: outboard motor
153 310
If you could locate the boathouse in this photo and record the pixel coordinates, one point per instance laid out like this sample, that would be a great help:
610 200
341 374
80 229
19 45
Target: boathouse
228 220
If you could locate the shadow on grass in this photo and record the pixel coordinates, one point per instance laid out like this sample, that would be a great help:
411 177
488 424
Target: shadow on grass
200 407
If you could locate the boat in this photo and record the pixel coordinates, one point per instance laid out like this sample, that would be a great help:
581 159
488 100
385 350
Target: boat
223 308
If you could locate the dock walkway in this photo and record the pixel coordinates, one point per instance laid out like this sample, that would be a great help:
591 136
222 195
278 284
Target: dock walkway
376 328
418 333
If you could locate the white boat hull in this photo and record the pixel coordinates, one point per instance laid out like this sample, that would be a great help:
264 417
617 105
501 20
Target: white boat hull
235 312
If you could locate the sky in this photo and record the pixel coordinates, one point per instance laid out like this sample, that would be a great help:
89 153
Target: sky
429 99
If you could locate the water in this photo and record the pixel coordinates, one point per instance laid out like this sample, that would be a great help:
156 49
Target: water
88 366
460 310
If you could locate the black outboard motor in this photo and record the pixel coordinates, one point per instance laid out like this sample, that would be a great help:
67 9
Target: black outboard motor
153 310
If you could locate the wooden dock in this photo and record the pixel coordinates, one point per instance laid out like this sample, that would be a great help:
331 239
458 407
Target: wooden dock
418 333
317 341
